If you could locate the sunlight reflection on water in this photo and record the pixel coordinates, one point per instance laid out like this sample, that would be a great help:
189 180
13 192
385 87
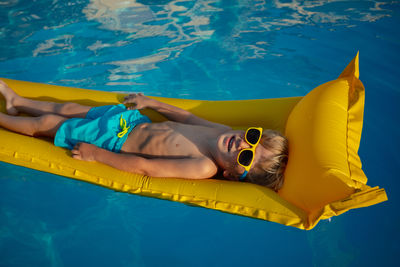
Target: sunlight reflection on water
131 40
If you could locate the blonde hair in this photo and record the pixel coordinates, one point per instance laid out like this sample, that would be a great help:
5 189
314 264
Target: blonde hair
269 172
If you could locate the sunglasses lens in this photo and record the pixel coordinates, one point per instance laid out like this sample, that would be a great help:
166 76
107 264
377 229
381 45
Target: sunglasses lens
245 157
253 136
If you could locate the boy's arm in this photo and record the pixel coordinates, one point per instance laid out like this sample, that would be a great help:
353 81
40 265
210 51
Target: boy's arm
191 168
170 112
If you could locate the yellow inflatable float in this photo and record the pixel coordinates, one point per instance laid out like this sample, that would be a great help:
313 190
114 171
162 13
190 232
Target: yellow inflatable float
323 177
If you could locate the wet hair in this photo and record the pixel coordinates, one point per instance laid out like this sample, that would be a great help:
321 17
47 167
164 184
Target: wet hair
269 172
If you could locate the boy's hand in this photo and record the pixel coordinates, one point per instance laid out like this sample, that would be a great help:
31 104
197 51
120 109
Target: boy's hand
139 100
84 151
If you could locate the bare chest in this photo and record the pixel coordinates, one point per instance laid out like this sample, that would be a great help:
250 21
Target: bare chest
167 139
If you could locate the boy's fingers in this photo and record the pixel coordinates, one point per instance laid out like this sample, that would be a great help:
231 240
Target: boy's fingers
129 100
75 150
77 156
132 96
127 97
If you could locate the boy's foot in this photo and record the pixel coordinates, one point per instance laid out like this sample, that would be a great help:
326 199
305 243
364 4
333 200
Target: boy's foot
9 95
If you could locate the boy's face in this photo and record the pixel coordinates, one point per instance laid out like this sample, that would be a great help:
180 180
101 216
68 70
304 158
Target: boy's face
229 145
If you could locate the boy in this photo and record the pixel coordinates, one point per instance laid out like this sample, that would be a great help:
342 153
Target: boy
186 146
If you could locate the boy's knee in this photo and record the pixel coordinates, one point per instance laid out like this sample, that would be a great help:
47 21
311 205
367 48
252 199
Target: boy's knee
71 109
45 119
47 124
60 107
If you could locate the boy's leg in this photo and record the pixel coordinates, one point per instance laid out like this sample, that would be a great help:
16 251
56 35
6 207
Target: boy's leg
45 125
16 103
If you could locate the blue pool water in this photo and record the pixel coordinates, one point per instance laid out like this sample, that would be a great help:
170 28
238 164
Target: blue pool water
214 49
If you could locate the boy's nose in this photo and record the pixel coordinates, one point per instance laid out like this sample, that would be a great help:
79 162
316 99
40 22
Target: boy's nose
242 144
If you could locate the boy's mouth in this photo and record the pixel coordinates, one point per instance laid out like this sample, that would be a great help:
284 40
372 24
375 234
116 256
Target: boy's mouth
230 143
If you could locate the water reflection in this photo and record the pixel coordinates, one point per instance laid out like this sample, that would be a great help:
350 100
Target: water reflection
118 42
331 11
182 23
185 22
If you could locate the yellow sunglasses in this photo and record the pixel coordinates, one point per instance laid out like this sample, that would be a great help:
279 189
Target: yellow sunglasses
245 157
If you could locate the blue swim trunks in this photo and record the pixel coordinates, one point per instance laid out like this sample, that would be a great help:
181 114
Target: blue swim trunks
107 127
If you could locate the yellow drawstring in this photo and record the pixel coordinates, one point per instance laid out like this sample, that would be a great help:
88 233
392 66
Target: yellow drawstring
122 124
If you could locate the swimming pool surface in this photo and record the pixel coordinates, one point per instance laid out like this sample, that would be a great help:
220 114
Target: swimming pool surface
212 49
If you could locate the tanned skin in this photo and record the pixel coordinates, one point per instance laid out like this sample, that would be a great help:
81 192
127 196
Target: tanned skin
185 146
